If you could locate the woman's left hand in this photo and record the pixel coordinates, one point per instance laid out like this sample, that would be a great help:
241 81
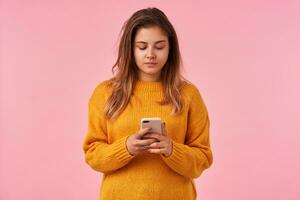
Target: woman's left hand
163 145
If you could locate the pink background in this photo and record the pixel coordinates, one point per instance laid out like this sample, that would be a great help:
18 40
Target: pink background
243 55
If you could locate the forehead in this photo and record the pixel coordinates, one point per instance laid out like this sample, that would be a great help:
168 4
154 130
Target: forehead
150 35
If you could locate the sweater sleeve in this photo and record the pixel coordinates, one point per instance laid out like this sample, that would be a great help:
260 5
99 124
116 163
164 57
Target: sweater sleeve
194 156
99 154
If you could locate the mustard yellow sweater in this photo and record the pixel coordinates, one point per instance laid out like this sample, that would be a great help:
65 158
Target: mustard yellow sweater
148 176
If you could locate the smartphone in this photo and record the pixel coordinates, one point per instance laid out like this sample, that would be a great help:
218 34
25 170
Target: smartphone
154 123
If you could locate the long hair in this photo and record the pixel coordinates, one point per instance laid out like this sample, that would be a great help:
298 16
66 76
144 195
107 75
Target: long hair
124 80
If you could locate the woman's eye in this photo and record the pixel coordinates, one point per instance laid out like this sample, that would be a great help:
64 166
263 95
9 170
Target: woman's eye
143 48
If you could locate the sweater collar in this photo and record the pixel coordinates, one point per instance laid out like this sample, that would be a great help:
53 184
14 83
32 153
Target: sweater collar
153 86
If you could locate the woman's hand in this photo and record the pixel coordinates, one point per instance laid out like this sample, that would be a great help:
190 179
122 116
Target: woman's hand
137 144
162 144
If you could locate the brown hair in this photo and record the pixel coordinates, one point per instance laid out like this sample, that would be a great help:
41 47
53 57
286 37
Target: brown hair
127 72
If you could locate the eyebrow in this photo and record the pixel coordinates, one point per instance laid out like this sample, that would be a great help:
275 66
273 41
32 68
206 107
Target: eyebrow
155 42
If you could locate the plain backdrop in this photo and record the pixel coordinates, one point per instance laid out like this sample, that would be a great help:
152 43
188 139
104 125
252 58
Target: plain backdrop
244 56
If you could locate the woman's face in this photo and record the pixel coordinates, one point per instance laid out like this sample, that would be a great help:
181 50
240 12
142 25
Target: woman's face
151 45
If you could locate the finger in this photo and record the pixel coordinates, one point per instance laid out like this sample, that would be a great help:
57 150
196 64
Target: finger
143 131
164 130
149 135
157 145
156 136
141 148
156 151
145 142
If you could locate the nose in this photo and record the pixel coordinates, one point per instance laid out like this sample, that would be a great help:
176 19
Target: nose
150 54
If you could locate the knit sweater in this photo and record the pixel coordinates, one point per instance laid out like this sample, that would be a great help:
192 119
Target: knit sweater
148 176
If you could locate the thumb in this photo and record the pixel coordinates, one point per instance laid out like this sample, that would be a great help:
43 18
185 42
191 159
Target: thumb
142 132
163 128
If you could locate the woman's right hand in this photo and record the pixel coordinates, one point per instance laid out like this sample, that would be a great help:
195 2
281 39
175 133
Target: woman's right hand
136 145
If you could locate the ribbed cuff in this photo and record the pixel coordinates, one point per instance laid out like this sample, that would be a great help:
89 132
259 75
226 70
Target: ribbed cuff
176 155
122 154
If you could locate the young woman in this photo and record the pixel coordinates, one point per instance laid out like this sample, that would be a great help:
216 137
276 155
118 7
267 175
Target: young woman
137 163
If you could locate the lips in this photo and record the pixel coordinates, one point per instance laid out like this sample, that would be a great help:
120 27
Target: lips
151 63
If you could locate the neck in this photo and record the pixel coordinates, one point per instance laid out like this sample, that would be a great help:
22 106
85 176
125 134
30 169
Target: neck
149 78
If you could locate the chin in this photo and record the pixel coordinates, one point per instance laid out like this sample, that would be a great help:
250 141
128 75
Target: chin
151 72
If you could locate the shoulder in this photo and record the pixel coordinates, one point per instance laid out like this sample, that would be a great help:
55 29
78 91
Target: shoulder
190 90
104 85
101 91
192 95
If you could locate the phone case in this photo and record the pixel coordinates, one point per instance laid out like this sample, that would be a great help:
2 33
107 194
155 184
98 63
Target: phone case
154 123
